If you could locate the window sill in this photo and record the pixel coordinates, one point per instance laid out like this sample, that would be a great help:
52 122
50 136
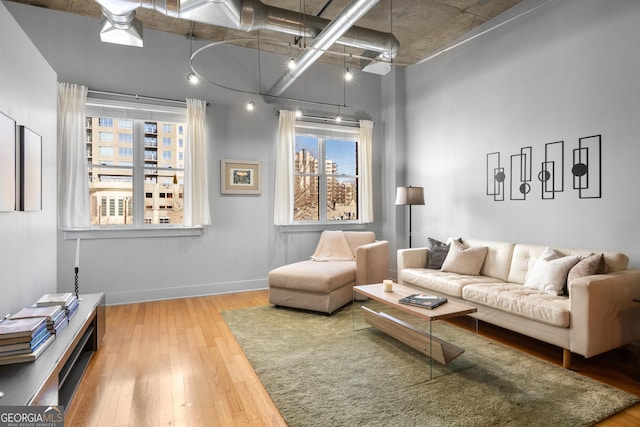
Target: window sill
129 233
346 226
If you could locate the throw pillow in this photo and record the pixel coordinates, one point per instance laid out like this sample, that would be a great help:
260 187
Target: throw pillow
437 253
549 273
587 266
463 260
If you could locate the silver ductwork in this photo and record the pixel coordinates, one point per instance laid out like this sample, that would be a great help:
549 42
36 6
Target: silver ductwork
328 36
120 25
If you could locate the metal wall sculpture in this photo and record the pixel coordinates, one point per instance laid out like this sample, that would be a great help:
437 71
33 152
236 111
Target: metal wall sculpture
495 177
552 171
587 167
586 171
521 174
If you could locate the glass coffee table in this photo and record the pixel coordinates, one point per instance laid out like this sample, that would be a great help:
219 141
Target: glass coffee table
450 347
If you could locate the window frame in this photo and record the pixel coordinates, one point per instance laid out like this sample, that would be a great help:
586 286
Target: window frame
326 131
111 107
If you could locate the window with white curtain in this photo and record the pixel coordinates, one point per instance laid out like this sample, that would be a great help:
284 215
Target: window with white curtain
326 174
126 174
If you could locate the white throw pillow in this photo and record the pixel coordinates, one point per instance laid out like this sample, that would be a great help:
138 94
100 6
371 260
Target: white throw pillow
549 273
463 260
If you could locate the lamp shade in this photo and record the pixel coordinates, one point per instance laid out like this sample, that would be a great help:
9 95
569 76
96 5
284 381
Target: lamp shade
410 196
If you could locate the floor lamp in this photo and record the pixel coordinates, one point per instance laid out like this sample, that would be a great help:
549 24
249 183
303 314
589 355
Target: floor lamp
409 196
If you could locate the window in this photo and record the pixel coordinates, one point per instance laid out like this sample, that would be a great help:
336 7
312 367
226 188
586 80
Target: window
106 122
105 151
325 174
125 124
125 182
105 136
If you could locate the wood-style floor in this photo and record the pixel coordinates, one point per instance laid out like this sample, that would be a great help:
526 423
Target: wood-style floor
175 363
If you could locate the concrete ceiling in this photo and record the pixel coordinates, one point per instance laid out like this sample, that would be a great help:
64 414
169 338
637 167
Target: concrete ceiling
421 26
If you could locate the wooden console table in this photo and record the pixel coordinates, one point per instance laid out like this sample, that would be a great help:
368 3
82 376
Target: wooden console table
53 378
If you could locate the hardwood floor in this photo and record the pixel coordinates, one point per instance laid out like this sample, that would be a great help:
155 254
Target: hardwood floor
176 363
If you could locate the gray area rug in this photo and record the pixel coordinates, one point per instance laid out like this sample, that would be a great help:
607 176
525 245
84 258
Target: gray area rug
320 372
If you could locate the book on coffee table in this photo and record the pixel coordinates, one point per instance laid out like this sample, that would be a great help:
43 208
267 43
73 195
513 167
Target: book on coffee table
422 300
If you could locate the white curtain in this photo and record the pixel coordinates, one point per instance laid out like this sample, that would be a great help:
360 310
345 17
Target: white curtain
283 199
73 179
366 174
196 189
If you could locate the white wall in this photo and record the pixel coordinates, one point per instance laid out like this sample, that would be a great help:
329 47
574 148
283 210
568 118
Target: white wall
242 245
567 70
28 239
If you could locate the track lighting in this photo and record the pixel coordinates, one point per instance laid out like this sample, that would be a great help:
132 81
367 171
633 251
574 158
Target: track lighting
338 118
192 78
292 64
348 76
251 106
299 112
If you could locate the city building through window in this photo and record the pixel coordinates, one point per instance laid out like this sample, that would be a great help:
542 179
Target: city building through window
325 174
127 176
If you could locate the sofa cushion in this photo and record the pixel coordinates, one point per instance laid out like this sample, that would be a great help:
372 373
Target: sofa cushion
517 299
441 281
314 276
463 260
549 273
437 253
498 260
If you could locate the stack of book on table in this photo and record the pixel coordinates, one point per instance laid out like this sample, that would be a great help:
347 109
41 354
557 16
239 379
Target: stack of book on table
55 314
23 340
67 301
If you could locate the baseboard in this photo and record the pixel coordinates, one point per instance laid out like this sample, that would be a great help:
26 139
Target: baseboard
145 295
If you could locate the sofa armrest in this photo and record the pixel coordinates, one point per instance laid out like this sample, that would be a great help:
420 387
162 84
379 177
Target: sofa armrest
603 314
372 262
411 258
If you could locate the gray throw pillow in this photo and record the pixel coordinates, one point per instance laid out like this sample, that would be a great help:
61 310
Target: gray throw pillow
437 253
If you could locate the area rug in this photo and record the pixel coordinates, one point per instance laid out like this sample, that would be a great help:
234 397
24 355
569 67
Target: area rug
319 371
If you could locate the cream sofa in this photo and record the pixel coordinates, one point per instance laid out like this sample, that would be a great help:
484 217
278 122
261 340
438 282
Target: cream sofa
325 282
598 315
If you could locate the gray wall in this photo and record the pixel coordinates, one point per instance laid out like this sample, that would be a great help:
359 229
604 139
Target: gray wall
28 94
242 245
567 70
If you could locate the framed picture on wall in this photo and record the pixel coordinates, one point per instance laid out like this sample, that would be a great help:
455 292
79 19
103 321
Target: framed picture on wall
29 170
240 177
7 163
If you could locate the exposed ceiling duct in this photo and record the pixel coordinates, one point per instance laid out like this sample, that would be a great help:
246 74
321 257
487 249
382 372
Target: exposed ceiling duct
328 36
120 25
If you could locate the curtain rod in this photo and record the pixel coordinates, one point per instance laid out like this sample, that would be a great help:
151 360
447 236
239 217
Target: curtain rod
137 97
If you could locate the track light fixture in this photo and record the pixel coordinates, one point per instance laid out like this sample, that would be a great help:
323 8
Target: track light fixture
192 78
299 112
348 75
251 106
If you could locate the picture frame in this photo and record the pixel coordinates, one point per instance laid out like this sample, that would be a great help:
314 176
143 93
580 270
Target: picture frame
240 177
7 163
29 167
